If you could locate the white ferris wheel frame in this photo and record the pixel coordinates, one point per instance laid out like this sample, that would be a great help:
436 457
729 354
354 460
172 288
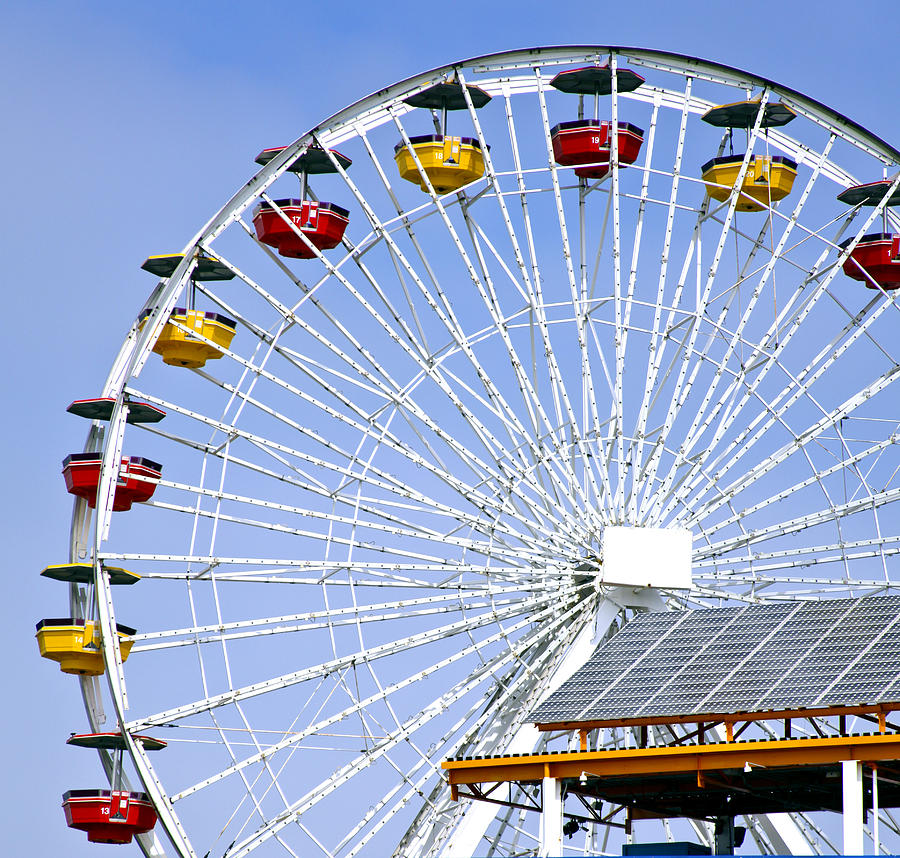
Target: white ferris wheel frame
505 76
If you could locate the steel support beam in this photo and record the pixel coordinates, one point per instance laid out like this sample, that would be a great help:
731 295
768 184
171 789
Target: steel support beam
783 753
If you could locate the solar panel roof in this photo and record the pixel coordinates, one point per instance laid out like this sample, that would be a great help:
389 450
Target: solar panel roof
756 658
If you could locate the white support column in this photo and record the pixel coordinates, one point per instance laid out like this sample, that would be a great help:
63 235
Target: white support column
851 782
551 818
876 837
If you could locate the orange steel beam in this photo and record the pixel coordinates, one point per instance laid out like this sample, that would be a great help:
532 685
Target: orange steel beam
880 709
777 753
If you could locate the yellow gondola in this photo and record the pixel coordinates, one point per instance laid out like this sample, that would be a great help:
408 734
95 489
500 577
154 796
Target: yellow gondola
75 644
449 162
767 180
181 348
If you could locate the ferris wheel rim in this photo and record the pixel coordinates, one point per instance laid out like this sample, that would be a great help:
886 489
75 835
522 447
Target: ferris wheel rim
699 63
274 167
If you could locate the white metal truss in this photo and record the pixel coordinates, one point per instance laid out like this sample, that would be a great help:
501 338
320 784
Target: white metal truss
378 537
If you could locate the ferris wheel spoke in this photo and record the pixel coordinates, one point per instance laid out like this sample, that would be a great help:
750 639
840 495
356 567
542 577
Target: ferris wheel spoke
832 514
848 335
592 328
813 431
758 585
818 476
445 314
372 653
537 304
678 353
522 192
620 323
560 392
486 548
384 574
335 617
801 556
657 340
683 384
633 272
597 432
462 686
405 528
348 770
388 482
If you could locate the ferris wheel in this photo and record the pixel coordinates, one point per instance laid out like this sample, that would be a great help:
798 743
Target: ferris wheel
541 339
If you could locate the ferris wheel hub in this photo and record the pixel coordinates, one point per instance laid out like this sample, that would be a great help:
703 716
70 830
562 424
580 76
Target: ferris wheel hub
647 557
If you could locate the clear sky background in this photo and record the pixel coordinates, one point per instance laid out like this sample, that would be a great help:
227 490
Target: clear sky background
127 124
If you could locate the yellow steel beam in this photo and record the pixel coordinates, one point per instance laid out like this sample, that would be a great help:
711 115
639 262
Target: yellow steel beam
879 709
677 758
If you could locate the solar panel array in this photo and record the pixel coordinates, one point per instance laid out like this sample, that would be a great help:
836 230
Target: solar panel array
757 658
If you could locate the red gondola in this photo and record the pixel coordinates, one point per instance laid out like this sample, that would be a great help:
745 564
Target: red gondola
136 481
876 257
584 142
109 816
588 141
322 223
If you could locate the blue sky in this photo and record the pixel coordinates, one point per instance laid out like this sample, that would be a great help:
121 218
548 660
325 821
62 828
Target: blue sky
128 124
